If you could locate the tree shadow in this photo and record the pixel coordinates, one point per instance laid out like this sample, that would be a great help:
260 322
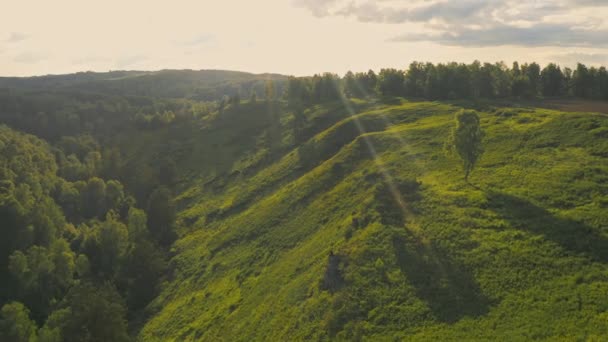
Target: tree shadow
572 235
448 287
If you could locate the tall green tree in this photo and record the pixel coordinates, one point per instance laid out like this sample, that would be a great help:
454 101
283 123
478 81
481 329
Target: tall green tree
466 139
532 71
16 325
106 246
582 81
391 82
90 313
552 80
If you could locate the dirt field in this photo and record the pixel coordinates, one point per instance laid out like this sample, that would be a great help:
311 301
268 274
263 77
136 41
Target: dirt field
575 105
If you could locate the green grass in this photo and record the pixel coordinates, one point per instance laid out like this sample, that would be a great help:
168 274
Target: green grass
520 254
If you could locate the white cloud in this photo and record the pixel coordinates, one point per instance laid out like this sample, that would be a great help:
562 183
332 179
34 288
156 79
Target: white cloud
484 22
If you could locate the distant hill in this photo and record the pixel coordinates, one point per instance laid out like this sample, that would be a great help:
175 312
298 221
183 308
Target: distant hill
205 85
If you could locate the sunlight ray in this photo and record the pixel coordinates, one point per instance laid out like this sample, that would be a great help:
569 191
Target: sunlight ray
389 180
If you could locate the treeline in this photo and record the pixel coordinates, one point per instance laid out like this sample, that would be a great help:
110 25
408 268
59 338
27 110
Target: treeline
454 81
79 258
53 115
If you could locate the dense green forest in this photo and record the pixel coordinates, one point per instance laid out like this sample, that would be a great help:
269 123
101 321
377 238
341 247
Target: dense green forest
440 202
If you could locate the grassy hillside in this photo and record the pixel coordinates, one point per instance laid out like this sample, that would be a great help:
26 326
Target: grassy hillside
347 222
366 228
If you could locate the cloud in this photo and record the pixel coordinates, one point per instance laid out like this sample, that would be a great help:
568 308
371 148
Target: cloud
482 22
15 37
448 11
533 36
319 8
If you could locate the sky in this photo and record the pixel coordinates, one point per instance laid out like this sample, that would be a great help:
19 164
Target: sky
295 37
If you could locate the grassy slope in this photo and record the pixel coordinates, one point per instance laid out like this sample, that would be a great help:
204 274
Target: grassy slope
521 254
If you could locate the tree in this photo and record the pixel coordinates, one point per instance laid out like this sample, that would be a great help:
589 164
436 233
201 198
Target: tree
161 216
94 198
15 324
326 87
106 246
167 173
299 123
137 225
582 81
351 89
466 139
533 73
602 84
481 79
552 80
141 273
42 275
391 82
114 195
14 233
501 80
297 92
367 81
90 313
415 79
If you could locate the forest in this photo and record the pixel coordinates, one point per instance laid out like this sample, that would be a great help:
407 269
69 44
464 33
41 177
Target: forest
209 205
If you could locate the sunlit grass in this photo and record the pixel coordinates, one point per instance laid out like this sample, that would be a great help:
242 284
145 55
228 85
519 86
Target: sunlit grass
515 257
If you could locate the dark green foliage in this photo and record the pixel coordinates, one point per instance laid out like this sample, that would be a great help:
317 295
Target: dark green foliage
16 325
106 246
391 82
325 88
582 81
94 198
142 269
161 216
168 172
453 81
361 84
58 235
42 275
552 80
91 313
466 139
